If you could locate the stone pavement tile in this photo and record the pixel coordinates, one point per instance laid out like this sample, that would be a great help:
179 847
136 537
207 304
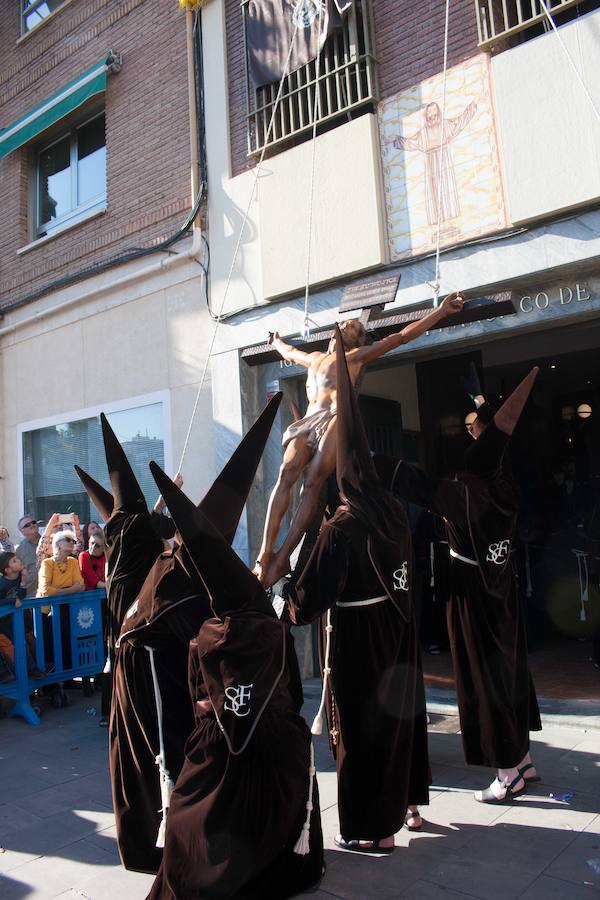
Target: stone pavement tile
111 883
573 864
427 890
50 834
49 876
355 877
546 888
13 818
537 809
481 877
77 793
525 848
327 782
446 749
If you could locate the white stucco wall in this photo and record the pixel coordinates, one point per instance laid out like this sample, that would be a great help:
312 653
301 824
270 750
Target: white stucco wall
549 133
150 335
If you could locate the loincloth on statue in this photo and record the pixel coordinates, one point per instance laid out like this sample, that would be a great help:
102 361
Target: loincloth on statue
312 427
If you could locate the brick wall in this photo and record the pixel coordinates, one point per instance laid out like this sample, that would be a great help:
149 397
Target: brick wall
147 133
409 44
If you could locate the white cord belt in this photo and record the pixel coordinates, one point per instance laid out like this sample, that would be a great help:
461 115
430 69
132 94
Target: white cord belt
370 602
465 559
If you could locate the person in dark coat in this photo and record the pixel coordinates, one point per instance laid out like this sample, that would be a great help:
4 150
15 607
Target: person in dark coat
359 580
152 715
244 816
496 698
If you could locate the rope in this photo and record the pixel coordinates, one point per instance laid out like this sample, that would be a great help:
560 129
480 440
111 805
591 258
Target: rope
317 725
217 321
435 284
570 59
166 784
316 114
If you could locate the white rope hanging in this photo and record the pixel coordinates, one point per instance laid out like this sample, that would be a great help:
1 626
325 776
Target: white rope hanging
257 171
316 114
570 59
435 284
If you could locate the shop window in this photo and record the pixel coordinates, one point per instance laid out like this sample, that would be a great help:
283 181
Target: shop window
35 11
502 23
347 85
50 483
70 180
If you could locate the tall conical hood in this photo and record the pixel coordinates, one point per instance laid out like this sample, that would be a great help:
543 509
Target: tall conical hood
100 497
510 412
225 501
231 586
354 464
126 490
484 456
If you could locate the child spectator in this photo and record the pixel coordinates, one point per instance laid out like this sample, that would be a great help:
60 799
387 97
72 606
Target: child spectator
13 578
92 563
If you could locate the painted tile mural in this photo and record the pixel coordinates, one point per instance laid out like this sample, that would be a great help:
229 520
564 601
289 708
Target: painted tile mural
471 198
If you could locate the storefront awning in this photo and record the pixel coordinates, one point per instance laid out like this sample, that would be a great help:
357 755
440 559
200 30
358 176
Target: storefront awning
59 105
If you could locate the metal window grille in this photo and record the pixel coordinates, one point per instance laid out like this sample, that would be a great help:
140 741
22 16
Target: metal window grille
347 82
497 19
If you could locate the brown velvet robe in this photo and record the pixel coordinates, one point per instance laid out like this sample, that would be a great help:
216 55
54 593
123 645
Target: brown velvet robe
376 704
486 625
165 616
240 801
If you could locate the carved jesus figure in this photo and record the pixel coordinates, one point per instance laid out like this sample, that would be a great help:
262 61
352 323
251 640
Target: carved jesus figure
310 443
438 162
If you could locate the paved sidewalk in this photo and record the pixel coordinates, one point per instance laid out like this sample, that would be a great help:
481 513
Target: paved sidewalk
58 838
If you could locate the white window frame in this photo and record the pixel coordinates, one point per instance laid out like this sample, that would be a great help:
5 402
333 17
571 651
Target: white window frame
31 9
94 204
163 397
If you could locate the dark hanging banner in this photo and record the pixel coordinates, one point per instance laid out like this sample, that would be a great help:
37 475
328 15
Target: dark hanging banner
270 26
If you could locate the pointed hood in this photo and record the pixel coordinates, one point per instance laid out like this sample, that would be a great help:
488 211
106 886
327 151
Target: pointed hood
126 490
484 456
100 497
231 586
225 501
354 464
368 506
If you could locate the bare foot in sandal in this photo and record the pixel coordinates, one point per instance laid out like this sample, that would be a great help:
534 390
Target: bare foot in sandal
413 820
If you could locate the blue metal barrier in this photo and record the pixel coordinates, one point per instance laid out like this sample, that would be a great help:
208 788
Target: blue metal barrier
86 645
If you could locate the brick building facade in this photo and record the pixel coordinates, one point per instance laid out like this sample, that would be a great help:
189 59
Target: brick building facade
147 132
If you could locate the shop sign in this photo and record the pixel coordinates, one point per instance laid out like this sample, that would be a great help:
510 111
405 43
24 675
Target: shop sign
564 296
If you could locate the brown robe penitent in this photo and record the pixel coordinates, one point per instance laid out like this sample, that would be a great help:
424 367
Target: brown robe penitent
244 816
376 703
239 804
360 575
151 683
486 625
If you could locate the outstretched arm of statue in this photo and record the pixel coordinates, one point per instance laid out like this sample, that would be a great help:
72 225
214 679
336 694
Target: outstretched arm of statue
450 305
288 352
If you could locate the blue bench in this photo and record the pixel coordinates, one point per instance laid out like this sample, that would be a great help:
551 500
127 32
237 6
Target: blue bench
86 645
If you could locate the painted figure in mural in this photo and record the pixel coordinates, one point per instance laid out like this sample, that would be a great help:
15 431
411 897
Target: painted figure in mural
310 443
433 140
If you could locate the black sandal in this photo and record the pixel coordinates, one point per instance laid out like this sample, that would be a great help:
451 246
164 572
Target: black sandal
488 796
354 847
533 778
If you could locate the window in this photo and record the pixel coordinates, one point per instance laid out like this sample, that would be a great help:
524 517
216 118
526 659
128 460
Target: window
35 11
71 176
49 480
497 20
347 84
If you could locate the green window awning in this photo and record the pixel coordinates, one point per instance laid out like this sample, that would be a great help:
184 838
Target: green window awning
59 105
